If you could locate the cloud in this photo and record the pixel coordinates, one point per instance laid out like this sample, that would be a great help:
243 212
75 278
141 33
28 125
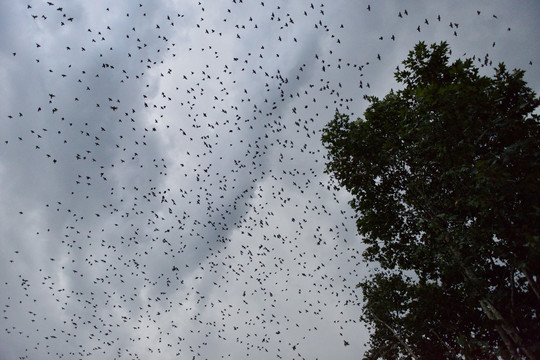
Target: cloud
163 179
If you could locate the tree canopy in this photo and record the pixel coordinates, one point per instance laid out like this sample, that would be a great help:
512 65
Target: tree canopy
445 178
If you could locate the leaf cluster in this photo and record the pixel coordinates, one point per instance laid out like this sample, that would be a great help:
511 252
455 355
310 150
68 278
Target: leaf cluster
445 178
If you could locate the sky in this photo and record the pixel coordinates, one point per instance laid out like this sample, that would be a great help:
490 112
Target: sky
162 173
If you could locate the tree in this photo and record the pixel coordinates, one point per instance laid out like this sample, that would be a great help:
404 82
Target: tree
445 178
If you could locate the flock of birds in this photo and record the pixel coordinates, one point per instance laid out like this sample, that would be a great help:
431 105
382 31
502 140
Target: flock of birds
164 174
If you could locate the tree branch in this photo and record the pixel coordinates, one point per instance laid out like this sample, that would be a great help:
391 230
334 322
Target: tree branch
533 284
396 335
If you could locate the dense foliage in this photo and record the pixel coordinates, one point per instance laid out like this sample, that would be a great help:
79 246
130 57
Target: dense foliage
445 178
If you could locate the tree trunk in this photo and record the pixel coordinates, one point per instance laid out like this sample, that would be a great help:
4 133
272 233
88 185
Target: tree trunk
504 336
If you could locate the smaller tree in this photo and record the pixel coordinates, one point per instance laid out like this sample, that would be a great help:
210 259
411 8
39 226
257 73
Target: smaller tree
445 178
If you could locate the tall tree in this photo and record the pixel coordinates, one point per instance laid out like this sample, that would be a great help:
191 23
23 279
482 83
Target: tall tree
445 178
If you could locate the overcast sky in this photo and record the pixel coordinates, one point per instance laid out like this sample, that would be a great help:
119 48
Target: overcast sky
163 193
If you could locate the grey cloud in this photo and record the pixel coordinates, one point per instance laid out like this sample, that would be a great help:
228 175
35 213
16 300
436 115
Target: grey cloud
188 214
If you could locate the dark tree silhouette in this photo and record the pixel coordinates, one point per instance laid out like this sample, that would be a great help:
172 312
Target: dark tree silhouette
445 178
